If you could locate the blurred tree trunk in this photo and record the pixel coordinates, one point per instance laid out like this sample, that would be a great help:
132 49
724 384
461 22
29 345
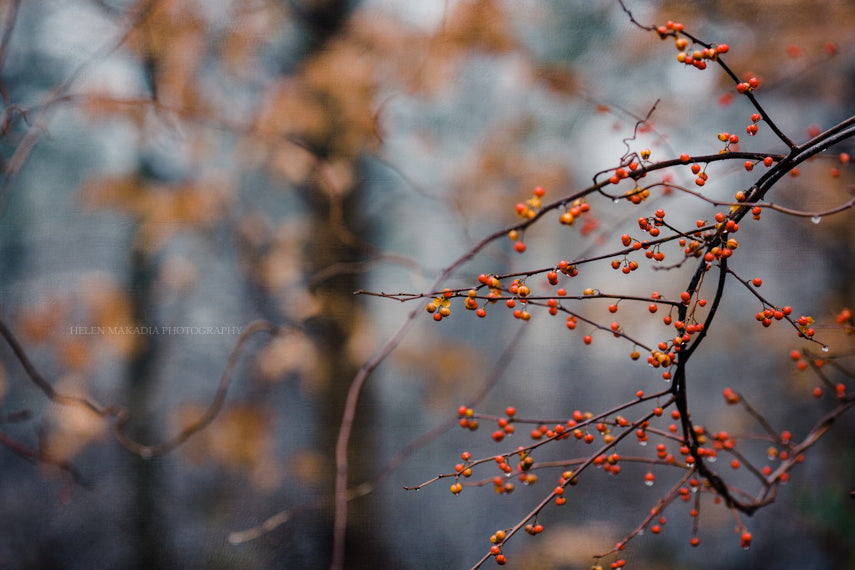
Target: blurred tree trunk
149 525
332 330
333 218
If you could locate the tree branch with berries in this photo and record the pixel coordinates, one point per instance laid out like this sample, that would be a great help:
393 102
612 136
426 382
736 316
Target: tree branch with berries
698 254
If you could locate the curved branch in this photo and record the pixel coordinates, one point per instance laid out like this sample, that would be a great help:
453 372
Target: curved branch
121 413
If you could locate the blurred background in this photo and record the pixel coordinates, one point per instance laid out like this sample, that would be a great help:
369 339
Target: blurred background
174 170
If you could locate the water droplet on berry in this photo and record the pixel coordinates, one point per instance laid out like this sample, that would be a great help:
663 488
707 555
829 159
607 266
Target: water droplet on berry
642 443
825 348
615 200
649 483
816 219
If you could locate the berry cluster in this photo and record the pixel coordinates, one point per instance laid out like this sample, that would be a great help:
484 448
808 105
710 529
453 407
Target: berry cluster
697 58
440 307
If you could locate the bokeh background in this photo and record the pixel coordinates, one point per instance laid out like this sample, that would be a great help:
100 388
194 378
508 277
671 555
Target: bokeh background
178 165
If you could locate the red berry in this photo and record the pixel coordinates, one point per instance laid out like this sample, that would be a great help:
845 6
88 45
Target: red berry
757 282
519 247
